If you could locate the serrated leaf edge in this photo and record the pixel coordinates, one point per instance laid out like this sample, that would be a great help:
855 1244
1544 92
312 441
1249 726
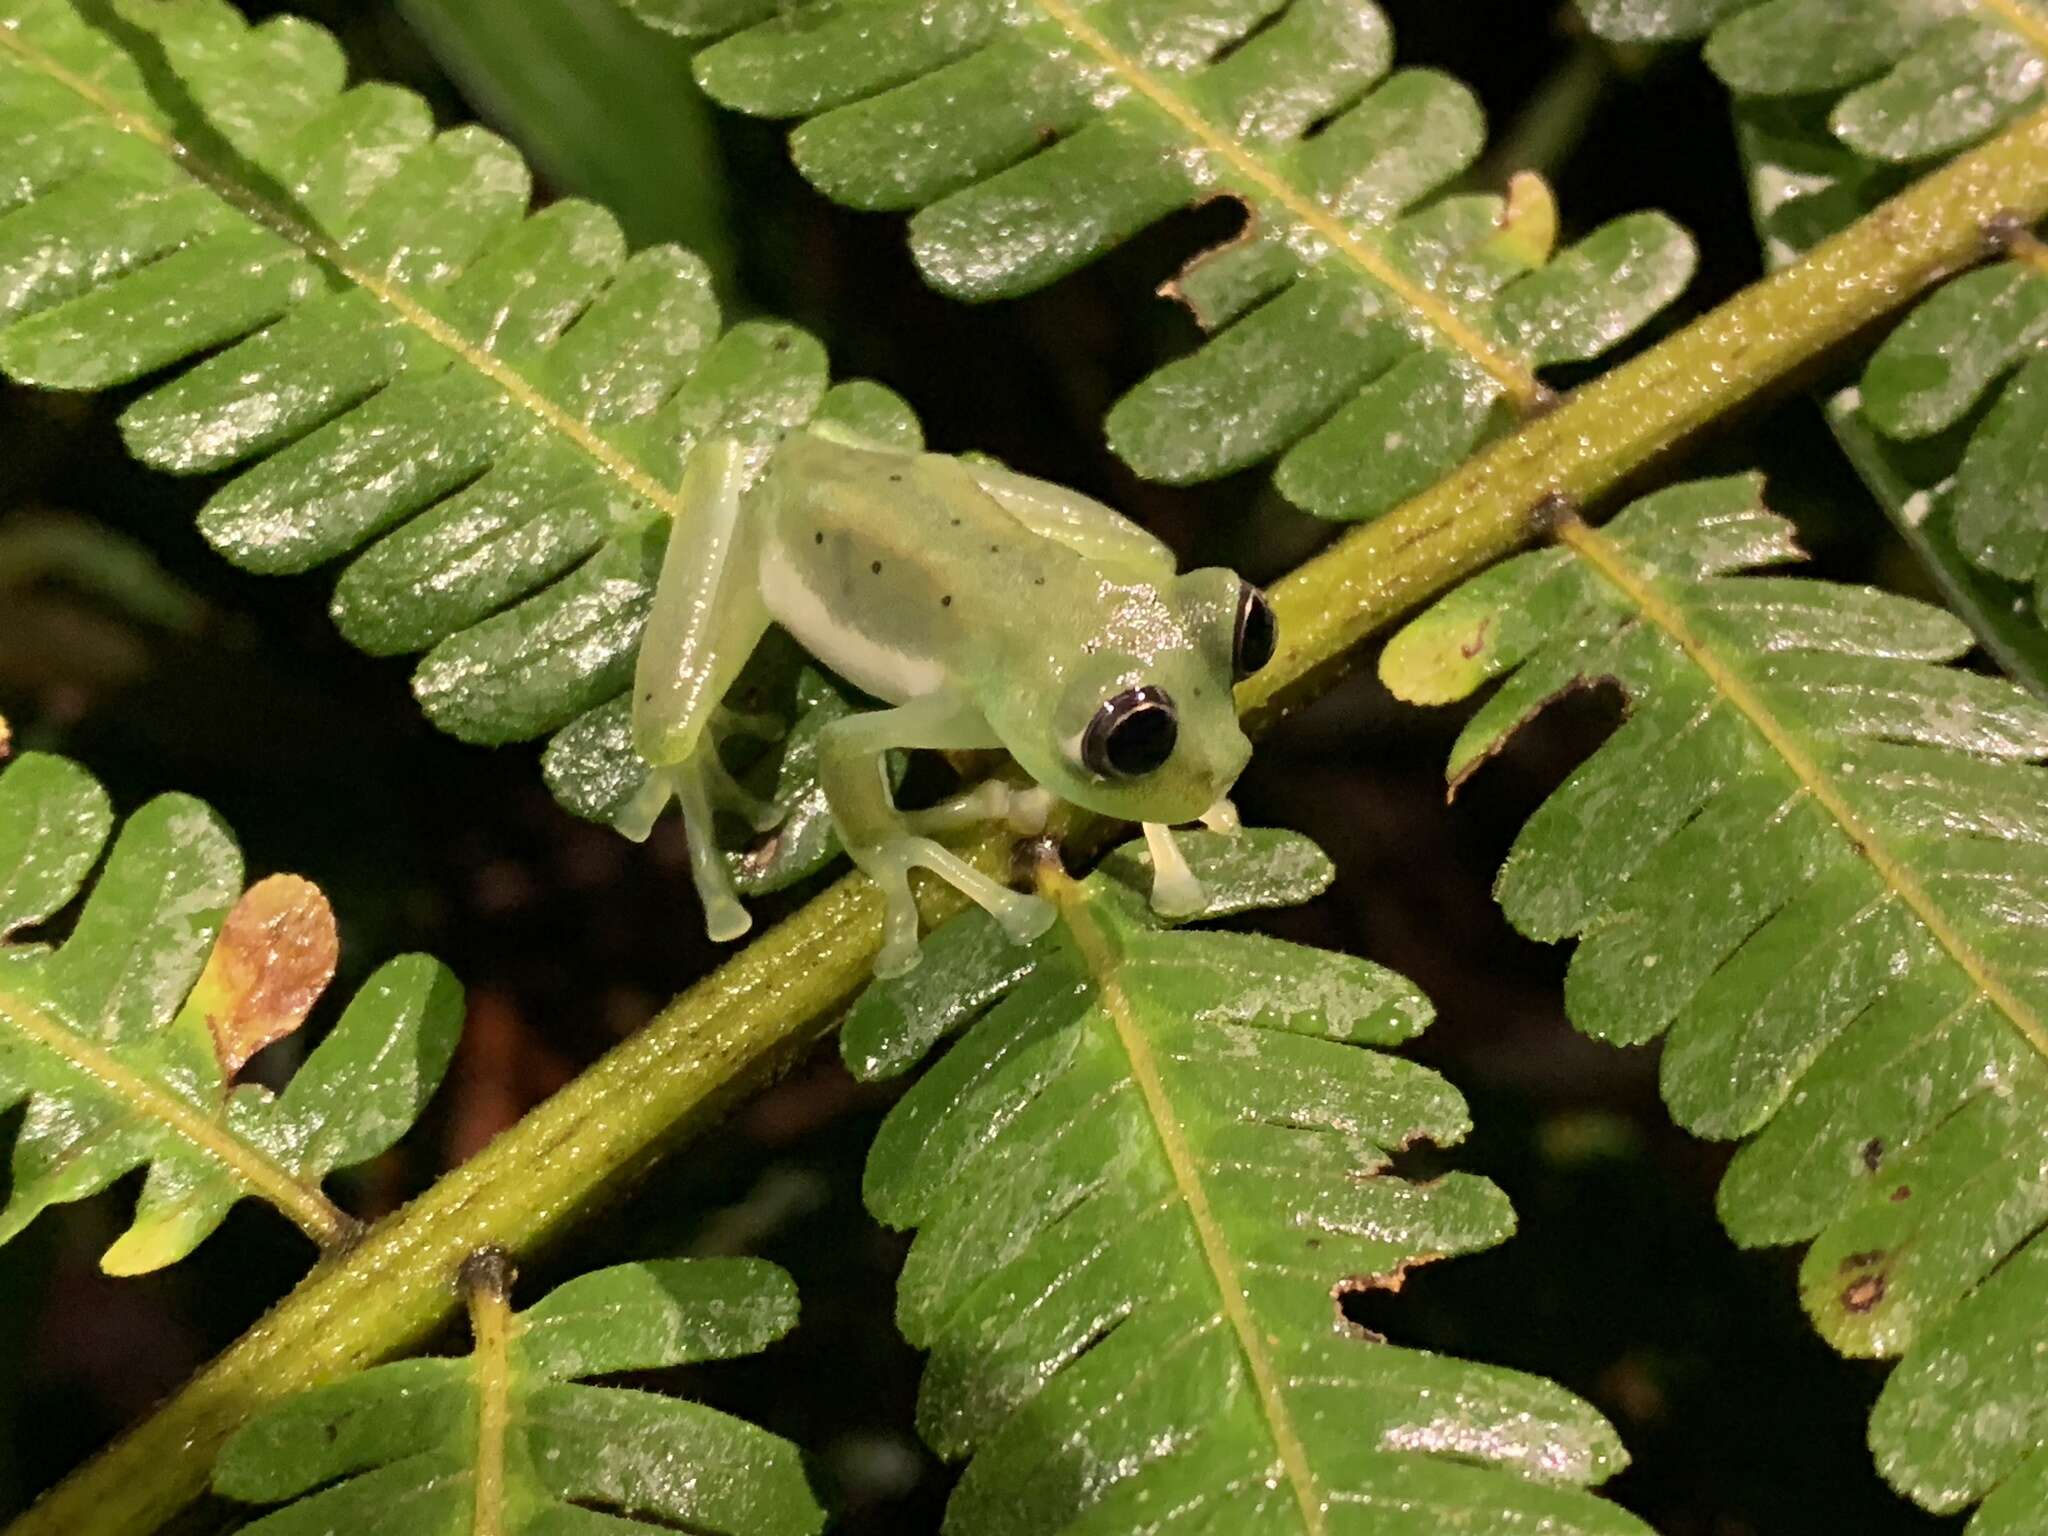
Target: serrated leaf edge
1607 558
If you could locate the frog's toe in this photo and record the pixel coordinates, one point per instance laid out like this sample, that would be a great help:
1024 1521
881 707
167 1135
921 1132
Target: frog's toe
636 818
1029 810
727 793
1175 890
724 918
1026 918
895 959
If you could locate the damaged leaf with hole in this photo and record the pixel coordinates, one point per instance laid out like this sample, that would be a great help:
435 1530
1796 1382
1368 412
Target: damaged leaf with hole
1141 1180
1364 337
1812 860
124 1039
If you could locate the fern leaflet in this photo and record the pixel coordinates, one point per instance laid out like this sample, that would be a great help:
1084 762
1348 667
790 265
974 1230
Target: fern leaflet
1941 425
1370 352
507 1441
489 409
1862 986
125 1039
1143 1180
1908 79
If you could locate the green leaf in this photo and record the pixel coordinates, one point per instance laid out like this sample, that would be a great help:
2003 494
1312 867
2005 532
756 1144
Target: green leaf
1908 481
969 962
1367 351
1143 1180
1861 989
1940 427
486 411
603 111
1908 79
506 1441
124 1039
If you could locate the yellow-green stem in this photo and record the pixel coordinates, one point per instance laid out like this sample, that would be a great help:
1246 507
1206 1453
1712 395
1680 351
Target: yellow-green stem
486 1281
724 1036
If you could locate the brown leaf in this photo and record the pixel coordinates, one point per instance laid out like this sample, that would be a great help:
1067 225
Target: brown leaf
273 959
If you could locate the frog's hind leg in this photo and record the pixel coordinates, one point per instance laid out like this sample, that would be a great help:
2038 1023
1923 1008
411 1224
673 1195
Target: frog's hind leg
706 620
886 844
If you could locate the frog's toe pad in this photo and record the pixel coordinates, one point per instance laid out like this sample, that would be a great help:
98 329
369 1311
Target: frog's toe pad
1029 810
1027 919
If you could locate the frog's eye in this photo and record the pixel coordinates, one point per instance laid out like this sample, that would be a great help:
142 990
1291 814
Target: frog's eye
1131 735
1258 633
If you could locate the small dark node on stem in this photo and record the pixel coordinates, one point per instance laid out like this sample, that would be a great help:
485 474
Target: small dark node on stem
1035 854
1541 403
2003 230
1551 510
349 1230
487 1272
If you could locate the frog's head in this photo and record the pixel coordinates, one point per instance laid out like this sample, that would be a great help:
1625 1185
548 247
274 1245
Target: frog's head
1139 720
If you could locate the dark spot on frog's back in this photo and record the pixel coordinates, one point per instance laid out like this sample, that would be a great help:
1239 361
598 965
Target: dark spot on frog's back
875 566
1873 1153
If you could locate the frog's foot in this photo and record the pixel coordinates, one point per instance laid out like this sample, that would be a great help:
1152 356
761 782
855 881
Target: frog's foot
889 864
727 793
690 785
1024 811
1222 817
1175 890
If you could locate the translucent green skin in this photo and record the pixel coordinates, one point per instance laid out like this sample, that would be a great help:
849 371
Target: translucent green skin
992 610
904 574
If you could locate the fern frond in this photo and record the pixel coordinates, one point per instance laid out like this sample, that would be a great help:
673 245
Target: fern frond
508 1441
125 1038
1369 351
1969 363
1816 861
1907 79
1144 1179
488 409
1945 422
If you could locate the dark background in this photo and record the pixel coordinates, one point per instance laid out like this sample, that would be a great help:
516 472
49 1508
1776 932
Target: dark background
1620 1284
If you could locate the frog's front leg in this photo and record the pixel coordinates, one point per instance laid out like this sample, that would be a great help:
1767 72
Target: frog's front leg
707 618
884 842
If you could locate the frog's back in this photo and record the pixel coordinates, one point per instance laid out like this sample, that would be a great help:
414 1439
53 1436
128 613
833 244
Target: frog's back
897 570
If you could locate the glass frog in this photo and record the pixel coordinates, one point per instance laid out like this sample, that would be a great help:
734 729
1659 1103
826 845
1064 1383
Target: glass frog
990 610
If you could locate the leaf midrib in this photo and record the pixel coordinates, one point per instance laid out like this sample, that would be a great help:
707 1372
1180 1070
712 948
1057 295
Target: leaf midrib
606 459
309 1209
492 1326
1522 386
1103 965
2019 18
1608 559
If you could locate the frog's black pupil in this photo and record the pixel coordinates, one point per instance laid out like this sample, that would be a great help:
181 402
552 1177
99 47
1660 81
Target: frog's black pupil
1258 632
1133 734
